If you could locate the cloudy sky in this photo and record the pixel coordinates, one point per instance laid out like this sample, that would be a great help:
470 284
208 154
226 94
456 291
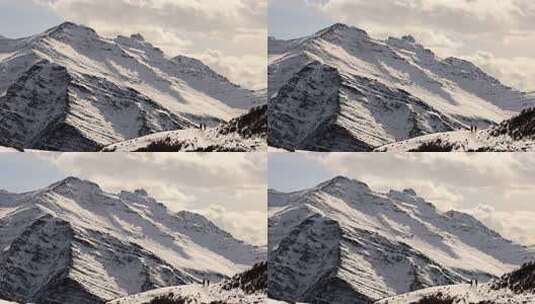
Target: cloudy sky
496 188
497 35
228 35
229 188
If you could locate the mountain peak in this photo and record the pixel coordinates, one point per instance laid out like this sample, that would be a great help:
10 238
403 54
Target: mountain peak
141 192
408 42
142 197
188 215
66 25
343 183
339 26
341 179
72 182
469 220
187 60
409 38
410 191
341 29
200 223
197 67
71 28
137 36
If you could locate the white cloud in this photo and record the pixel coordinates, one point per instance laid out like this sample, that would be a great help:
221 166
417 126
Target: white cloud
235 28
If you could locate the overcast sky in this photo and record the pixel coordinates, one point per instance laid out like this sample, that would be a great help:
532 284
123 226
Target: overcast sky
497 35
496 188
229 188
228 35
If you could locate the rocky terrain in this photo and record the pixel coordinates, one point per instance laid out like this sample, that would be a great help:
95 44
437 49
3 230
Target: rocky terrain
72 242
515 287
246 133
516 134
70 89
248 287
342 242
342 90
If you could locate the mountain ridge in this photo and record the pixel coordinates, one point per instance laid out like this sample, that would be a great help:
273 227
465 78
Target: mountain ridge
356 243
73 241
366 93
106 90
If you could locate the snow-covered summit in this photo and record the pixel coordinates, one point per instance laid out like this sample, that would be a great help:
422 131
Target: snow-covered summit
70 30
341 31
104 90
346 243
359 93
73 241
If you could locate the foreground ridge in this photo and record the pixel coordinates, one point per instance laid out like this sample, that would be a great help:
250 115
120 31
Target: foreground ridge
514 287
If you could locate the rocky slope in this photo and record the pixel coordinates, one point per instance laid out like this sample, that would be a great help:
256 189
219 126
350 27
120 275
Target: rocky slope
246 133
70 89
516 134
341 242
71 242
341 90
248 287
515 287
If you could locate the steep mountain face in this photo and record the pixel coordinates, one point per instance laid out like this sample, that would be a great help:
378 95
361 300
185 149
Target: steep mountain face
70 89
248 287
516 134
246 133
71 242
341 90
515 287
341 242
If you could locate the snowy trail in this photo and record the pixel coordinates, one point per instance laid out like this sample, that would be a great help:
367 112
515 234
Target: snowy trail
462 141
465 293
196 294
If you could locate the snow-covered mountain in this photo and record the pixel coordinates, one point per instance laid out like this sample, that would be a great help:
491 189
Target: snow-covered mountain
516 134
72 242
342 90
515 287
248 287
342 242
246 133
70 89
